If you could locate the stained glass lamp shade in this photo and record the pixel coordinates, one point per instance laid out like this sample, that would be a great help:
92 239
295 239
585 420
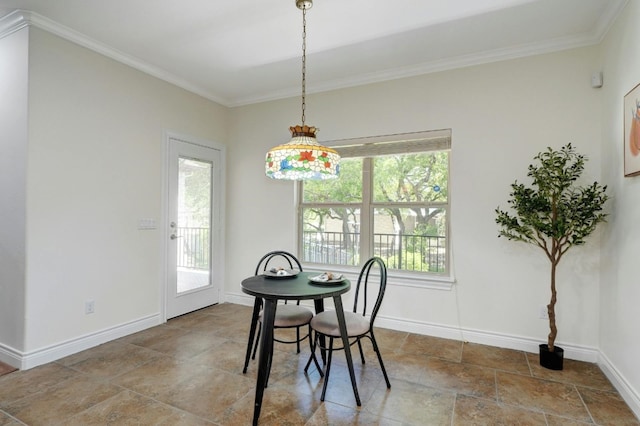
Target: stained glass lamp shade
302 158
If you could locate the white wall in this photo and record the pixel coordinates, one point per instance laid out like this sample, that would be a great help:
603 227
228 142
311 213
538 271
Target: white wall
620 287
501 115
95 168
13 163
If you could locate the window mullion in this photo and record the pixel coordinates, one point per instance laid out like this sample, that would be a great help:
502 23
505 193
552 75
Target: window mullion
366 216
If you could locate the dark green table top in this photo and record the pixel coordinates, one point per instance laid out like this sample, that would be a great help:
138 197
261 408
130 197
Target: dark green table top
292 288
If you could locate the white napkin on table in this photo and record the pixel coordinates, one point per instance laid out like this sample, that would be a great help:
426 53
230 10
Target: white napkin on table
328 276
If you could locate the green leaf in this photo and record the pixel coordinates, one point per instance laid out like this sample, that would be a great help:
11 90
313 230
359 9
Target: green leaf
553 209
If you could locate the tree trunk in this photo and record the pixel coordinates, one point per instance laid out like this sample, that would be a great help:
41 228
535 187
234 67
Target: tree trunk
346 242
551 309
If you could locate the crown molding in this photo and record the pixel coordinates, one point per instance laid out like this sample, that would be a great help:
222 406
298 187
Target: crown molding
15 21
429 67
603 26
607 20
19 19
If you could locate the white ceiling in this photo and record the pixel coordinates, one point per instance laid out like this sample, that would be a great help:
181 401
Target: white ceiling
238 52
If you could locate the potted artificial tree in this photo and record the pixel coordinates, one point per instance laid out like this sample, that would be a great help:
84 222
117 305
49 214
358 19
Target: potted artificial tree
554 214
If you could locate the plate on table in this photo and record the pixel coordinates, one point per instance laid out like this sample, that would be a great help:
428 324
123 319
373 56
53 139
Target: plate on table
327 278
280 273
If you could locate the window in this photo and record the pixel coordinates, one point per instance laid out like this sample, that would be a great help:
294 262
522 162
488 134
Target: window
391 200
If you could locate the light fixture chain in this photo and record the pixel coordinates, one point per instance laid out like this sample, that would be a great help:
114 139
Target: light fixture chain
304 61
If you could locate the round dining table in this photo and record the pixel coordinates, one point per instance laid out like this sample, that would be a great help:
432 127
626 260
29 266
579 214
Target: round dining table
271 289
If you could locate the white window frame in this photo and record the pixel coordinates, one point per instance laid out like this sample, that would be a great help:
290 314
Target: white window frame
367 148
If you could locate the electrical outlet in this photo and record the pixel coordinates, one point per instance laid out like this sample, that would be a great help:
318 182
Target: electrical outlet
89 307
543 313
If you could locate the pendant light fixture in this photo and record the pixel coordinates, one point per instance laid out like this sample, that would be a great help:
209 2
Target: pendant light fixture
302 158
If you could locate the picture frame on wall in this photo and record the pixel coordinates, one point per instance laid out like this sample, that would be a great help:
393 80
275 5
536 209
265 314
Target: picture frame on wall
631 134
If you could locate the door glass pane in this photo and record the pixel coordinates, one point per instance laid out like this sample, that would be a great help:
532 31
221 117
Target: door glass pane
194 219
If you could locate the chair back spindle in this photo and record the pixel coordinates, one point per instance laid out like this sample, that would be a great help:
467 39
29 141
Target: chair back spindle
281 255
363 285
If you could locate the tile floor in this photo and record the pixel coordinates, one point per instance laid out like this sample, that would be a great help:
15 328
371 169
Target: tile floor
189 372
6 368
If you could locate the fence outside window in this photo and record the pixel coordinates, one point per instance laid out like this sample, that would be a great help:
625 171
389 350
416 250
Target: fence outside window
420 253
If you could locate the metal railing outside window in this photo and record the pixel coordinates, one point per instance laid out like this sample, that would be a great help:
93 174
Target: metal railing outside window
420 253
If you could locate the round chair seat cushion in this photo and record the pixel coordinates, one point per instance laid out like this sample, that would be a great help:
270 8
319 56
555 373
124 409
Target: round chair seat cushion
291 316
327 324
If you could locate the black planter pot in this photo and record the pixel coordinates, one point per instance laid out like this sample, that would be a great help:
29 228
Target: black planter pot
551 360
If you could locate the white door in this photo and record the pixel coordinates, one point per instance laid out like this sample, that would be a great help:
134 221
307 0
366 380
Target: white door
194 237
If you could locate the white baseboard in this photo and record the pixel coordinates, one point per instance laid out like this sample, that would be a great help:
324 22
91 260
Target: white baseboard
627 393
576 352
239 299
30 359
580 353
10 356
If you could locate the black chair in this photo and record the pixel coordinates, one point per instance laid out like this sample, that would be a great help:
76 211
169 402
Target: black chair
358 325
287 315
